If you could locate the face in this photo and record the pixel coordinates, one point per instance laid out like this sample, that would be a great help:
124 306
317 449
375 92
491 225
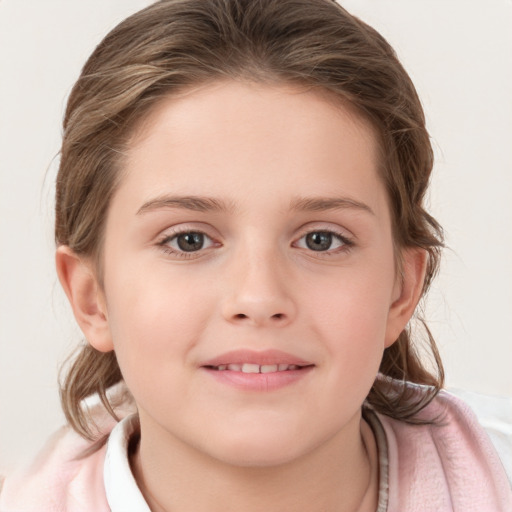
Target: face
249 272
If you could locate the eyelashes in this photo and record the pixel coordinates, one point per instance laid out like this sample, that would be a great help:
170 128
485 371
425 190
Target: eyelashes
187 243
190 243
323 241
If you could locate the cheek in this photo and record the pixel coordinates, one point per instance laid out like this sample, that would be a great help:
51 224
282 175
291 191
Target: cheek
154 320
351 315
358 306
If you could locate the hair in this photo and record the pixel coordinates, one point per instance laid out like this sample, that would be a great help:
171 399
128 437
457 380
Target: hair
174 45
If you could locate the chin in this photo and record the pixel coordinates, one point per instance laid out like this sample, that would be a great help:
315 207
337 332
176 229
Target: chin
259 447
258 456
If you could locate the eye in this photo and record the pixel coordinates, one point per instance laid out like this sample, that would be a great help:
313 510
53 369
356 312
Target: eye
187 241
322 241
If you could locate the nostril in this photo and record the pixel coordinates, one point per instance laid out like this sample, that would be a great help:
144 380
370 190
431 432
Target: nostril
243 316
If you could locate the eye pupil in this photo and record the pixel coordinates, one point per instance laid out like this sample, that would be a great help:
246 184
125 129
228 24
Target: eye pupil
189 242
319 240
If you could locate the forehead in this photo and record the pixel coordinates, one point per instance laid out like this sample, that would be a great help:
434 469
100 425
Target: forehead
252 105
238 138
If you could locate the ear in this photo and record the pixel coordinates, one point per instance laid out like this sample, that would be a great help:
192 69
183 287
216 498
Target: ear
407 292
85 296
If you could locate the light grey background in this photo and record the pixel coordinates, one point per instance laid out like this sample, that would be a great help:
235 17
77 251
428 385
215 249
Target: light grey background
458 53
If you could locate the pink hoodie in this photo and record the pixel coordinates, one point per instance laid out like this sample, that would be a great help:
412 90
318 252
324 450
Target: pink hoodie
448 467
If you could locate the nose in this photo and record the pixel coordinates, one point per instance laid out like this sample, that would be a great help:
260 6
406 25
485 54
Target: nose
259 293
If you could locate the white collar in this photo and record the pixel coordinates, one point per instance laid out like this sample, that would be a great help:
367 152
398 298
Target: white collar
123 494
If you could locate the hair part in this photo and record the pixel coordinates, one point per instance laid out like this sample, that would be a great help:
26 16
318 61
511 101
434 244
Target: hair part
175 45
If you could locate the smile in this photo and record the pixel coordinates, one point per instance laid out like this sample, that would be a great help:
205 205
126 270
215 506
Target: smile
256 368
257 371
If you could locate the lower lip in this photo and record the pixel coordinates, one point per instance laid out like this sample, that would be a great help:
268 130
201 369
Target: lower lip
260 382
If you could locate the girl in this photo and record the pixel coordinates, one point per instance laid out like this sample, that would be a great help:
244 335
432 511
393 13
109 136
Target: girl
242 238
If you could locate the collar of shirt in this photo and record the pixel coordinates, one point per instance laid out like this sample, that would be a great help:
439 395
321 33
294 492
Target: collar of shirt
123 494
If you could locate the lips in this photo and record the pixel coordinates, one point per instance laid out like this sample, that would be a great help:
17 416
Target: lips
248 370
250 361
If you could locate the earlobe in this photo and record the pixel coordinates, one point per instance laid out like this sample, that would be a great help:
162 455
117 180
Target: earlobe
409 289
85 296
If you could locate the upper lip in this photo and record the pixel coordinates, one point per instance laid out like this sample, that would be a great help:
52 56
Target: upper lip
264 357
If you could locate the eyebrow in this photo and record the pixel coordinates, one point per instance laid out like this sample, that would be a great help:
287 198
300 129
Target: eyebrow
210 204
193 203
320 204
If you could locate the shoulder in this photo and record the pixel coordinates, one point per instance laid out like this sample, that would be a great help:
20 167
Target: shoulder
59 479
68 474
448 464
494 414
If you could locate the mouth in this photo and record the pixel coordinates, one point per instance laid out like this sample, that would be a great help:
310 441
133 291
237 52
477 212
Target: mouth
258 371
256 368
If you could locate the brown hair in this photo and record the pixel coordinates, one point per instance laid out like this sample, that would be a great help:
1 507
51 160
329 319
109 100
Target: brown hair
175 44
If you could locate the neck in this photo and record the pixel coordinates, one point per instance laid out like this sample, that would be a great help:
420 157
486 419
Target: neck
341 475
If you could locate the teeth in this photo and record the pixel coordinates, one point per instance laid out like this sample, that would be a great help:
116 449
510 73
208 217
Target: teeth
256 368
250 368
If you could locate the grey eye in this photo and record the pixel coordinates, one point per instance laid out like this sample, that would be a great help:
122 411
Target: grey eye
189 242
322 241
319 240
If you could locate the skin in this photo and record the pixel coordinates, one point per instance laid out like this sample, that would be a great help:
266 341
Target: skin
258 151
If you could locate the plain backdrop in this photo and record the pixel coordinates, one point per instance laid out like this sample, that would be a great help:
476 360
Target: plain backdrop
459 54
